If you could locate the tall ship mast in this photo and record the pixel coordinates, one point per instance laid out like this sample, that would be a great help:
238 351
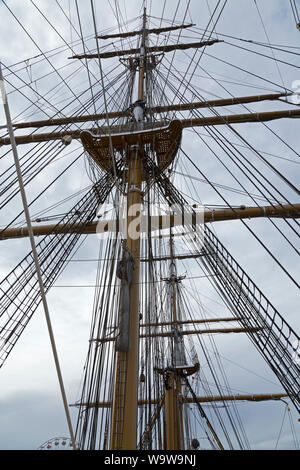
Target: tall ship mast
166 287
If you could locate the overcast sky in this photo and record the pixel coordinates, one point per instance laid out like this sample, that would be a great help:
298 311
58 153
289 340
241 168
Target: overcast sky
30 405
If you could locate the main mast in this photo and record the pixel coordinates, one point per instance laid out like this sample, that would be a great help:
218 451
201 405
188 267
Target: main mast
125 400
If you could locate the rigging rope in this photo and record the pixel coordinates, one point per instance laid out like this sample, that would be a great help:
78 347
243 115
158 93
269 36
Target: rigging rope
36 263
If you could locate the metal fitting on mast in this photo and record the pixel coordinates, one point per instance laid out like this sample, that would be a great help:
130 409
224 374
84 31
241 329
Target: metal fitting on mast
138 111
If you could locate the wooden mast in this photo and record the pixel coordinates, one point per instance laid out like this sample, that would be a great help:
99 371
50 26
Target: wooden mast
177 373
125 400
173 409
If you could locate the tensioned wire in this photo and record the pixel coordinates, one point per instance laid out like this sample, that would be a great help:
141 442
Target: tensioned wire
192 59
185 309
38 270
47 144
84 50
233 82
222 146
199 114
42 97
42 192
59 111
275 351
295 11
251 231
105 418
228 437
252 148
202 51
234 66
45 211
259 150
178 37
112 155
253 51
88 70
94 360
265 125
224 428
68 45
15 284
189 178
216 355
278 47
46 58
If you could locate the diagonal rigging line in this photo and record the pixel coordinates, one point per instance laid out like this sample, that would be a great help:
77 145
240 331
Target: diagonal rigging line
57 32
233 145
86 65
245 146
256 152
244 223
84 50
117 13
292 186
36 80
202 52
32 164
246 71
217 383
222 186
44 190
295 11
264 124
264 28
235 66
46 58
35 104
260 156
112 155
51 53
276 342
202 413
43 165
18 295
257 43
249 194
264 55
173 55
36 263
220 388
51 105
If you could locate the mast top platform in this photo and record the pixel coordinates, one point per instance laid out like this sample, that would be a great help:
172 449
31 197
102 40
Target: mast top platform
162 138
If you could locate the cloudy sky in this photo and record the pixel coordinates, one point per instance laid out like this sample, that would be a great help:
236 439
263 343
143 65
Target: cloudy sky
30 404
